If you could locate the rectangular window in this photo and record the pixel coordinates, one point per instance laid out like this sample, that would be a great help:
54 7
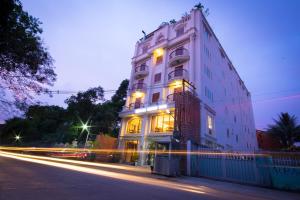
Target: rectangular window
208 94
208 72
145 49
179 31
157 77
155 97
228 134
137 103
162 123
143 67
206 31
210 124
159 59
140 84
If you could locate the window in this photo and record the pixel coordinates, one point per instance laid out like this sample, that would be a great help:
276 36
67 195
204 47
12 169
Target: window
162 123
134 125
227 132
159 59
155 97
178 71
145 49
210 124
138 102
177 90
207 72
179 51
208 94
157 77
206 51
179 31
207 33
143 67
236 138
159 39
140 84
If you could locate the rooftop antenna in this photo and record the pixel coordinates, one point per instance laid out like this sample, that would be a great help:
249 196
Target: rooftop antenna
144 34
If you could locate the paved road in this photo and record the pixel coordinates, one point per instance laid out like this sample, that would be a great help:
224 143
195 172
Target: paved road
26 180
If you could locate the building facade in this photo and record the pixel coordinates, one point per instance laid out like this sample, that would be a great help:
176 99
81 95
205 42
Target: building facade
185 50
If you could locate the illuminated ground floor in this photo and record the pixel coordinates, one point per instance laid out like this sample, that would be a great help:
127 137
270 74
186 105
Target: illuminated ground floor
146 131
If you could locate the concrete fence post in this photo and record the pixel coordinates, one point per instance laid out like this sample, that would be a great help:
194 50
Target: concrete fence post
188 157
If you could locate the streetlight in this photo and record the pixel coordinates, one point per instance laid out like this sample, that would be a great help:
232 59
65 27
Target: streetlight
17 137
85 127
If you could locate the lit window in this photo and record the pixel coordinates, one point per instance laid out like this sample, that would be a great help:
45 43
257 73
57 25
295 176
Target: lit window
162 123
134 125
210 124
159 60
158 55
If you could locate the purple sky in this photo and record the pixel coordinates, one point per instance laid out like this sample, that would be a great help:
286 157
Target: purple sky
93 41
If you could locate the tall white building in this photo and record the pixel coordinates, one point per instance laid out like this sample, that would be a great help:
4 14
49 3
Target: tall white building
185 50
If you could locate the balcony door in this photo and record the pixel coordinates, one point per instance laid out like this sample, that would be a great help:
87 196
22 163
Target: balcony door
137 103
140 83
178 71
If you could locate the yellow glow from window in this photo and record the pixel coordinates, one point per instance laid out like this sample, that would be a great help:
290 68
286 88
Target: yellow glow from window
157 55
176 84
134 125
138 94
158 52
162 123
209 122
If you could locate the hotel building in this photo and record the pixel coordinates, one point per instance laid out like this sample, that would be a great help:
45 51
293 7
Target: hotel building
175 54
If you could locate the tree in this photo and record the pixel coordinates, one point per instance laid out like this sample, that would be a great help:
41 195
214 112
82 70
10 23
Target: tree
83 105
26 67
286 129
118 101
119 98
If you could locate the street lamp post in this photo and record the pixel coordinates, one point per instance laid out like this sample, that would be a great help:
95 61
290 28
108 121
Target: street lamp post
85 127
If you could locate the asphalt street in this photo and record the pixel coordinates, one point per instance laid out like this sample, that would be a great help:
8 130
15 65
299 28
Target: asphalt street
22 180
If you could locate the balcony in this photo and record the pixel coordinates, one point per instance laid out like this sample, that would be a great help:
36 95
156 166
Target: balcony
172 97
178 56
178 74
141 87
141 71
135 105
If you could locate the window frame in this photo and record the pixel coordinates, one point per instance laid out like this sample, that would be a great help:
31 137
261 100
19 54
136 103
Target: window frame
162 129
139 127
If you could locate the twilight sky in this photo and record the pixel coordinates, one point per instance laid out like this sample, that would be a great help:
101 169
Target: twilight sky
93 41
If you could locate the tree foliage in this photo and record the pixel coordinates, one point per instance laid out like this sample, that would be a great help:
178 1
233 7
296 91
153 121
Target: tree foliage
46 125
26 67
286 129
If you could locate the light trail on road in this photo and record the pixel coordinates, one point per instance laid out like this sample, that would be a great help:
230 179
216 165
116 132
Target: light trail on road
99 172
120 151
